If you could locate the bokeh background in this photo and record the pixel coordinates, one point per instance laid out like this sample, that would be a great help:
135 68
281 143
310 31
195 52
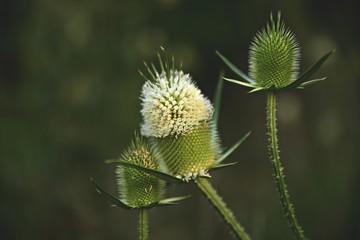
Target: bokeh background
69 99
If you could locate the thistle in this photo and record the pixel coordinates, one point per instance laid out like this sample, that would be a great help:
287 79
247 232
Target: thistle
177 120
274 64
137 189
274 56
181 125
274 59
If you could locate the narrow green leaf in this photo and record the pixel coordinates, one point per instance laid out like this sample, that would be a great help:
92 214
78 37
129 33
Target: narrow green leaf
171 201
221 166
109 196
217 98
256 90
240 82
235 69
308 73
311 82
112 160
235 146
161 175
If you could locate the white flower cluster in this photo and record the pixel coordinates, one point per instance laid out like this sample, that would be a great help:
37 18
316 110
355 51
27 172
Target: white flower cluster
193 175
172 105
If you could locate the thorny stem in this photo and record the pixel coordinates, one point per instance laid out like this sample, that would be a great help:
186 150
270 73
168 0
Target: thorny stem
143 224
288 208
221 207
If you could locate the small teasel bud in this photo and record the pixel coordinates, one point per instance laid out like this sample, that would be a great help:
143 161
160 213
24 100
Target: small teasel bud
136 188
274 56
177 118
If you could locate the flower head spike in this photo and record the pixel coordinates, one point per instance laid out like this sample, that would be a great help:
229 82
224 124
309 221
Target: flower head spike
177 118
274 59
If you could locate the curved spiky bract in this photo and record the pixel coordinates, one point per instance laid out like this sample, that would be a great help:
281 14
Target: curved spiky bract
274 56
188 156
136 188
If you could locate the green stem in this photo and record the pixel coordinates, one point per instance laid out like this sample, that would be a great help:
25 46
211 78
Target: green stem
143 224
288 208
221 207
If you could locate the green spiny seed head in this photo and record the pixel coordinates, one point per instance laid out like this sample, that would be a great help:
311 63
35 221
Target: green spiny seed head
274 56
136 188
177 117
190 155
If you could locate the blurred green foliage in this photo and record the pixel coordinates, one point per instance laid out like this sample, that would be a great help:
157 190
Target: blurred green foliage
69 99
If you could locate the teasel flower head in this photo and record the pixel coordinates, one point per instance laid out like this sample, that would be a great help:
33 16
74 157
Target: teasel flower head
274 59
136 188
274 56
177 119
172 105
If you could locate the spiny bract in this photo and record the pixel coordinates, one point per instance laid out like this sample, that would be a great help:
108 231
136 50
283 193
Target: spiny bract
136 188
274 56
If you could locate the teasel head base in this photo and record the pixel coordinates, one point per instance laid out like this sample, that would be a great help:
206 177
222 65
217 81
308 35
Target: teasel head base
188 156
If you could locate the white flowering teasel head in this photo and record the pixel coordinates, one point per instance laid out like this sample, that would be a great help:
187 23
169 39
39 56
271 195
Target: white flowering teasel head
177 118
172 105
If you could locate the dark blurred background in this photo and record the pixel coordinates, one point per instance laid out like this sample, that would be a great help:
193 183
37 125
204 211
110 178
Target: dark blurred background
69 99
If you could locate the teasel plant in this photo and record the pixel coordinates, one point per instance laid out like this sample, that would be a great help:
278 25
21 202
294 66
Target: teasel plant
180 124
274 59
138 190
